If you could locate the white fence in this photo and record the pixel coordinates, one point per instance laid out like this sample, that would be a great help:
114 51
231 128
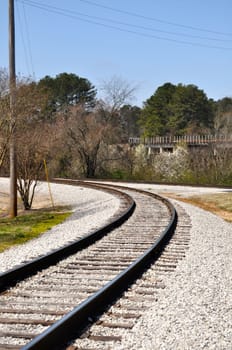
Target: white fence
172 140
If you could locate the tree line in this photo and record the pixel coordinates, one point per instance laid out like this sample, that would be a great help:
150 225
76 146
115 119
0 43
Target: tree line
61 120
185 109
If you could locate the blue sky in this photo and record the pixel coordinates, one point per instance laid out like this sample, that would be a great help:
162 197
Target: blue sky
146 43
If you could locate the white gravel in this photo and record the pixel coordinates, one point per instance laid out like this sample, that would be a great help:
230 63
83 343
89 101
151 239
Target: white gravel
194 310
183 191
92 209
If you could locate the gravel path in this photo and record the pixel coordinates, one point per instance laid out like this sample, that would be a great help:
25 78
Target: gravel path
194 310
92 209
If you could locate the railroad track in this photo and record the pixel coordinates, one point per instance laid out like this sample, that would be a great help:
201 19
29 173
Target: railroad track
126 209
56 304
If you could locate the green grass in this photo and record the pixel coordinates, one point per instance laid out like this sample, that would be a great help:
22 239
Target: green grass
27 226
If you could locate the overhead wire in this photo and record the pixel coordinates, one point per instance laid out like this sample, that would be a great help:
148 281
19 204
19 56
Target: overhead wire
28 41
75 15
92 3
71 12
25 41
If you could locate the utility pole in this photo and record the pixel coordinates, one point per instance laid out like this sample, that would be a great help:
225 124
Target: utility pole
12 83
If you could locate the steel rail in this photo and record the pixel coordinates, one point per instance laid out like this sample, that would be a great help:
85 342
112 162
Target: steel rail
19 273
76 320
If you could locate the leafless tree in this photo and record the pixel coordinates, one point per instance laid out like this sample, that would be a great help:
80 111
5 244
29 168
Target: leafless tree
211 165
85 131
223 124
32 150
4 82
223 117
33 137
116 92
4 114
4 128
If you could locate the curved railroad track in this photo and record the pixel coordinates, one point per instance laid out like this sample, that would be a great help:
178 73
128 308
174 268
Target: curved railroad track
54 305
126 209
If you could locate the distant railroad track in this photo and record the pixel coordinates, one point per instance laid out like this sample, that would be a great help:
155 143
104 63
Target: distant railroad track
53 306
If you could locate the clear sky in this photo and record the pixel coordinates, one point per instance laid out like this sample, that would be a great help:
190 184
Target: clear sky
145 42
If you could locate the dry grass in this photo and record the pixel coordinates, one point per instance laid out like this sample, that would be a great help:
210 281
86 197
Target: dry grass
40 202
218 203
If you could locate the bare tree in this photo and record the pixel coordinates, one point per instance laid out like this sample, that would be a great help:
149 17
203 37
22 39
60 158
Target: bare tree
5 130
223 124
95 134
85 131
211 165
34 143
115 93
33 138
29 102
4 114
223 117
4 82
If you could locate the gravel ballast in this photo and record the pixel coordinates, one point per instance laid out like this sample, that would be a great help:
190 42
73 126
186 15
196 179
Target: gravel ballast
193 311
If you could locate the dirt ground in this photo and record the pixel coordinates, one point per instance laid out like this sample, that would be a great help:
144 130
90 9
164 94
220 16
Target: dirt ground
40 201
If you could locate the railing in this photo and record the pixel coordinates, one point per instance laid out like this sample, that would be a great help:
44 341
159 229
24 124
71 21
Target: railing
172 140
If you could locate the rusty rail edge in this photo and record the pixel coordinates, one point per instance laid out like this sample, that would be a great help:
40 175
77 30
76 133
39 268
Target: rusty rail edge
10 277
73 323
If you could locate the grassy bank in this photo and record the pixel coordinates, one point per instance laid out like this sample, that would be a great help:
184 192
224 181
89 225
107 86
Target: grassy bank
29 225
218 203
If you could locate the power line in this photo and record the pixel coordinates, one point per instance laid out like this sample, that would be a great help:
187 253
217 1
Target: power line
73 14
92 3
23 40
28 40
23 25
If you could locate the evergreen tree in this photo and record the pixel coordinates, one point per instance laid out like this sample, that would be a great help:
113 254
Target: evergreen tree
68 89
177 109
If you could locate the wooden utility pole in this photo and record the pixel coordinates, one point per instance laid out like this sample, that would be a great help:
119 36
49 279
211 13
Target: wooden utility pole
12 83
